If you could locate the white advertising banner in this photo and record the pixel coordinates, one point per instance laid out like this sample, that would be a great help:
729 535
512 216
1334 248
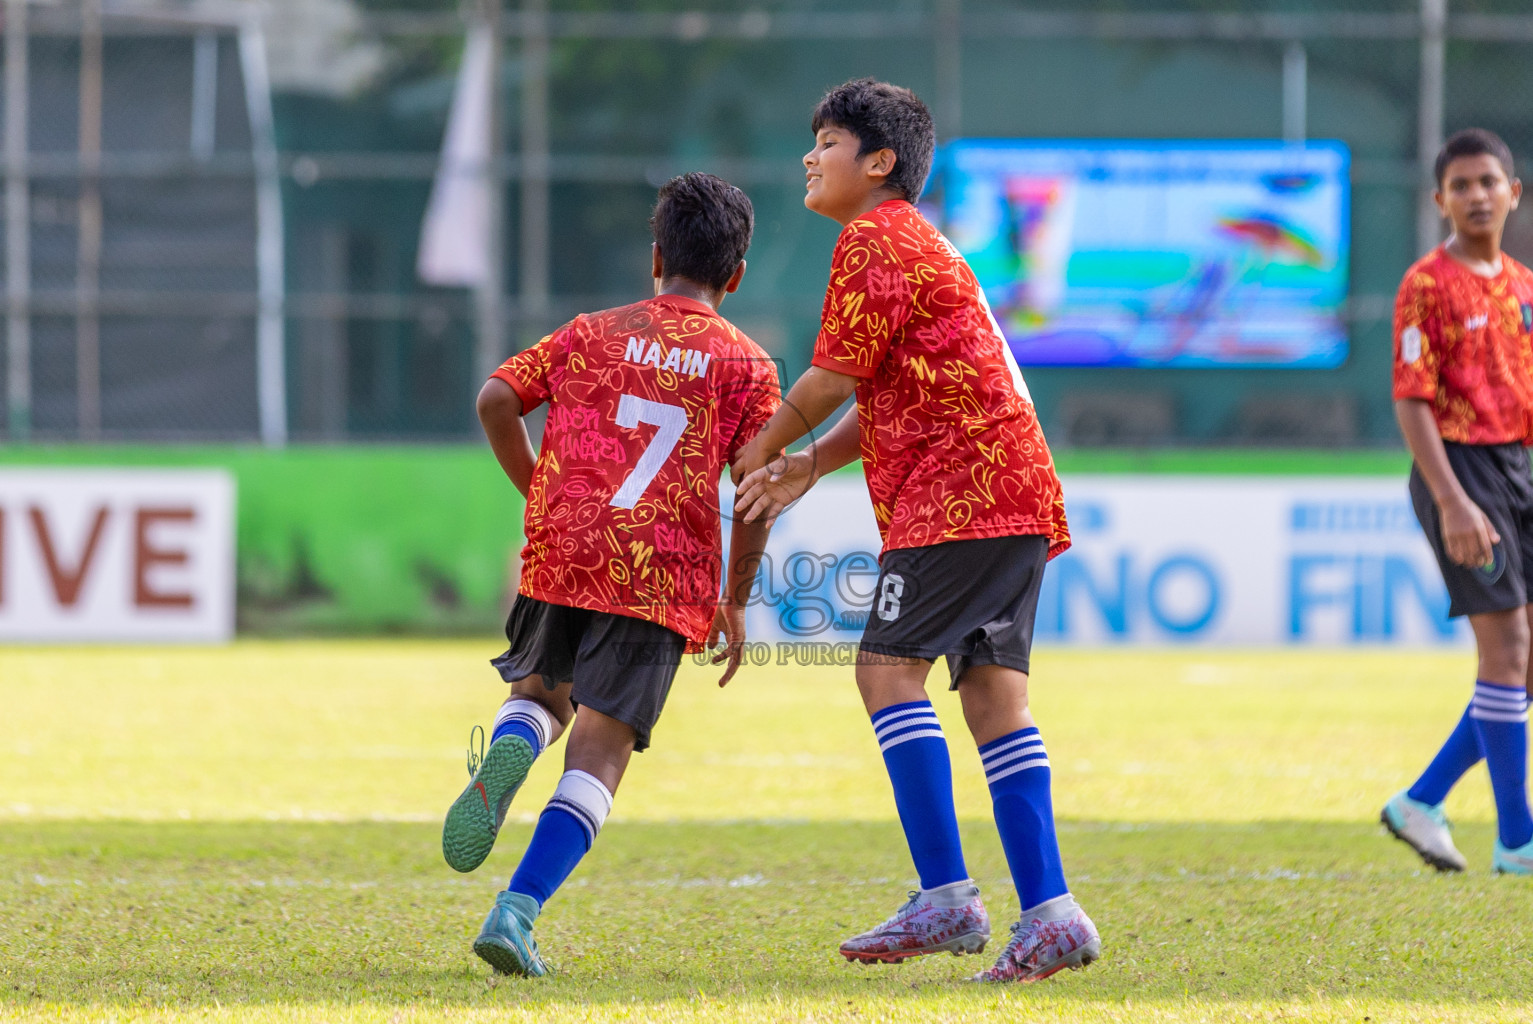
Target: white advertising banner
1157 560
116 555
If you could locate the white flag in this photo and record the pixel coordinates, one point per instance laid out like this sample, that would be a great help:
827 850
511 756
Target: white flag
455 236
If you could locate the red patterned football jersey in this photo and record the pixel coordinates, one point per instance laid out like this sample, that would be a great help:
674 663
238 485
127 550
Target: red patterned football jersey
1462 343
951 444
647 405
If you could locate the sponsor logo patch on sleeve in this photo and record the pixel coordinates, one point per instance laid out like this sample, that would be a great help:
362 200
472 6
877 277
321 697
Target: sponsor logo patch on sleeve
1410 344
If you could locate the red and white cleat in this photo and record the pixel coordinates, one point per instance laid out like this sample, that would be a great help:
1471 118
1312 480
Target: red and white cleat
1040 948
920 927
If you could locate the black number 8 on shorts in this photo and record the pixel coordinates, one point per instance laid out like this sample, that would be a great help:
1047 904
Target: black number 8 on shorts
889 597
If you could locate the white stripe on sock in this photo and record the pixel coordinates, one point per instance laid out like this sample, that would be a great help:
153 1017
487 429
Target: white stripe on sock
1497 701
584 796
1012 744
527 710
1037 762
919 734
991 761
899 718
924 722
1485 715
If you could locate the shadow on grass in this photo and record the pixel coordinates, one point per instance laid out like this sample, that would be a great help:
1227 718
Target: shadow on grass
188 914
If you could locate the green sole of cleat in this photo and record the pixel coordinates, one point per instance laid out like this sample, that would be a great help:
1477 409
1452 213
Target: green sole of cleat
468 833
504 959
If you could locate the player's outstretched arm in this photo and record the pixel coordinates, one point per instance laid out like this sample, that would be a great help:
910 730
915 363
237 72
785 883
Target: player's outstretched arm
747 543
1468 534
500 413
811 400
767 491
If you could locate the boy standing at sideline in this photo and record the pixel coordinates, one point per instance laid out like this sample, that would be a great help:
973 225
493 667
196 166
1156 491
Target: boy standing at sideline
1463 388
970 509
620 574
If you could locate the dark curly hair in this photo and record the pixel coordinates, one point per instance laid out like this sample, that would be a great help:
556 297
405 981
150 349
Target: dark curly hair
884 116
702 226
1472 142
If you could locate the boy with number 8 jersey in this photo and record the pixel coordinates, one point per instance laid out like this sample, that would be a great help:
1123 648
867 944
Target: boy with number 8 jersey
970 510
620 574
1463 388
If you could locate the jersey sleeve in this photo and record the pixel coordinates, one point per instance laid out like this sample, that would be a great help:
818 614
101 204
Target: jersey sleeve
1418 337
761 401
531 373
867 302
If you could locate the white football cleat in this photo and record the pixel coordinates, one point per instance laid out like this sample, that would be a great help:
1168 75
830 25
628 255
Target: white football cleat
1425 829
1040 948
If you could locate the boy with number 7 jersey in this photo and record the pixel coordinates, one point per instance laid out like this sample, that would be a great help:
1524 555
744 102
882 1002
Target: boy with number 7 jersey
620 574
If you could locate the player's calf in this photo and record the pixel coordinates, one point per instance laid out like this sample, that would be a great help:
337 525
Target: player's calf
947 919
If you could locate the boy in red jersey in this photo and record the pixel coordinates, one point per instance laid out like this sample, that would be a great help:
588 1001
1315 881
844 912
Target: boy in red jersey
1463 388
970 509
620 574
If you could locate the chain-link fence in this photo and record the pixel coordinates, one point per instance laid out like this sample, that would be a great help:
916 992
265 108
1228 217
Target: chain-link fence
209 256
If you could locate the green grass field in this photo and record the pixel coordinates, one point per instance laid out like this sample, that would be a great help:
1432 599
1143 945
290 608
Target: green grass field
251 834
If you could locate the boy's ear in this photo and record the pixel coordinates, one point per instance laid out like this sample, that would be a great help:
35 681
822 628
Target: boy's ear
656 264
1516 191
734 279
881 163
1437 197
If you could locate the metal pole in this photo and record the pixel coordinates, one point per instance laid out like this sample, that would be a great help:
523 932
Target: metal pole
489 293
271 343
204 95
949 68
1295 93
88 250
534 199
18 224
1429 122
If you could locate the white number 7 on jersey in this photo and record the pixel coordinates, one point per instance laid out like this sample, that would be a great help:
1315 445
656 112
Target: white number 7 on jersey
671 421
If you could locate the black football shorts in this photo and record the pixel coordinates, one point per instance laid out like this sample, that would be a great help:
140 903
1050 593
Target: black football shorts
972 601
1497 478
620 666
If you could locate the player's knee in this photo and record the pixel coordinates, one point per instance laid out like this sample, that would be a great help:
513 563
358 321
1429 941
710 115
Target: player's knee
556 702
1506 653
883 684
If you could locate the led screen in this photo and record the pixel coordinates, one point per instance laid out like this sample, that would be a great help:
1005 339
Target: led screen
1154 253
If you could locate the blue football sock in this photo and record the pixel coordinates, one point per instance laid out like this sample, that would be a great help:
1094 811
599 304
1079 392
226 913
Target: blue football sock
1500 715
1460 753
915 753
1017 769
524 717
565 831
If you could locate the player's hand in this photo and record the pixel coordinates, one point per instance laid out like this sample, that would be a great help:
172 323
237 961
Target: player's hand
747 461
728 625
1468 534
765 492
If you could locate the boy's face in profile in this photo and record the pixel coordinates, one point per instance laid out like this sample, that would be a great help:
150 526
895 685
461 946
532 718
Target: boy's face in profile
1476 195
837 182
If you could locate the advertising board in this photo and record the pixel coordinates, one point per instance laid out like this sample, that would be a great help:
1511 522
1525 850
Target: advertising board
1157 560
116 555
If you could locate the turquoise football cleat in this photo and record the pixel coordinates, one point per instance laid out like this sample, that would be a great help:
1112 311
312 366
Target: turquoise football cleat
505 942
1512 862
1425 829
474 819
